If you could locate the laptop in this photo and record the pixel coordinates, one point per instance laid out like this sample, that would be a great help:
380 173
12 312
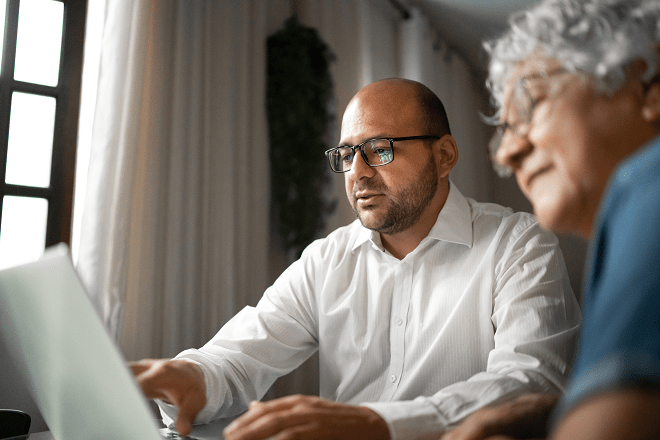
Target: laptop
76 374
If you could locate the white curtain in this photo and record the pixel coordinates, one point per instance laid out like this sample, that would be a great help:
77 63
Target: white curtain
174 237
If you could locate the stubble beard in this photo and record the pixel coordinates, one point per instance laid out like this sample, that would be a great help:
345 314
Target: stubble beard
406 206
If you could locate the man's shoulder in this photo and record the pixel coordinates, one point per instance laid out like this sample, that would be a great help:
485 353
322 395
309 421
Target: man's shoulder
639 172
632 198
485 214
499 226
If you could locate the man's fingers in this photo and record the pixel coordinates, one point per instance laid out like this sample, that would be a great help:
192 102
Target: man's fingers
266 419
184 423
258 422
139 367
307 432
270 424
150 378
308 418
260 409
188 410
176 382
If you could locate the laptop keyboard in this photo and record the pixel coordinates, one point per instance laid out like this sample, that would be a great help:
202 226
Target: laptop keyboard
176 436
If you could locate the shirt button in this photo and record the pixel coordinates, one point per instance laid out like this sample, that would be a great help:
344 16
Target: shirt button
398 321
392 378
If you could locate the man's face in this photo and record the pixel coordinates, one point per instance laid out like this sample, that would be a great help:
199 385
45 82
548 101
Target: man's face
573 142
390 198
403 205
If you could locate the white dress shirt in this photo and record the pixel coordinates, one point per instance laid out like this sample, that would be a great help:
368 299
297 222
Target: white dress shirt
480 311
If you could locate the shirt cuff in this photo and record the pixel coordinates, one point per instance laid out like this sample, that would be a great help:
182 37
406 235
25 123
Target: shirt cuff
410 420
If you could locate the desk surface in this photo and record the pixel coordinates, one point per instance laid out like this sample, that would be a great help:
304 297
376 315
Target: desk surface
212 431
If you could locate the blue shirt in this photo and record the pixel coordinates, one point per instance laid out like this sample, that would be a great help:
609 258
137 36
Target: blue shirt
620 340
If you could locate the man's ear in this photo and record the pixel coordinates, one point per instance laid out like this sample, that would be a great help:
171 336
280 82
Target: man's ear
446 154
651 104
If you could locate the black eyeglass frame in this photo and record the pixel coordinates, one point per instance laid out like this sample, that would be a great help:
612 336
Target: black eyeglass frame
518 128
364 155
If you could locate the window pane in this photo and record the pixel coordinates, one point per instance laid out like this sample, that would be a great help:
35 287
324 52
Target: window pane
23 229
30 146
39 41
3 10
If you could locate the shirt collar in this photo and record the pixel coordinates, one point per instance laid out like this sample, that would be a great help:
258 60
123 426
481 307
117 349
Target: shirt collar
454 223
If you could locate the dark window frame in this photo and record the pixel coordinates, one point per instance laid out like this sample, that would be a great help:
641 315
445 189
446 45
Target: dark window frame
67 93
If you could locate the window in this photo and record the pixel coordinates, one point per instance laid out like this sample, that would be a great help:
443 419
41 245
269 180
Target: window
42 46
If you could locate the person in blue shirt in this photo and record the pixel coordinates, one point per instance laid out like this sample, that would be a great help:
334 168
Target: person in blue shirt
577 88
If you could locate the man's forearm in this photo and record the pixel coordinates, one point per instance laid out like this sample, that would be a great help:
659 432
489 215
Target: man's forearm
524 417
453 404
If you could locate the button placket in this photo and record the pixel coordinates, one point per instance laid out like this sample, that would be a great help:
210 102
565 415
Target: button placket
400 304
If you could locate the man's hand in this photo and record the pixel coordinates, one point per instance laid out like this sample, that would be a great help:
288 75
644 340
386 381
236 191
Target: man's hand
307 417
176 382
523 418
631 414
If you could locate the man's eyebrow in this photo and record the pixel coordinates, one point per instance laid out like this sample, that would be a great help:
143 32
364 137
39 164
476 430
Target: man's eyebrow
367 139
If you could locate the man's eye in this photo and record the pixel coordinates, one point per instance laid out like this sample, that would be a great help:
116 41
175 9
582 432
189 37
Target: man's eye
348 157
536 98
385 155
537 91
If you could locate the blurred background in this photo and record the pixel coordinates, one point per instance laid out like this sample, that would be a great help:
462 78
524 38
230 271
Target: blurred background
137 131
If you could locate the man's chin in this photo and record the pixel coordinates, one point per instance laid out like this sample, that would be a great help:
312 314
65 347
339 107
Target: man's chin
368 219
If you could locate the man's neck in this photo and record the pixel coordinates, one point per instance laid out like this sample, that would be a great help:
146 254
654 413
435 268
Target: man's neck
402 243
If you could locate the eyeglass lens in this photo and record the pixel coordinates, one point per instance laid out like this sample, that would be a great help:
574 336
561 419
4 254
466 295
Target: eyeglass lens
377 151
521 108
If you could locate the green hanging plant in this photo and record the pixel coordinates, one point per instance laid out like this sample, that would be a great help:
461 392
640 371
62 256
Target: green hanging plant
298 92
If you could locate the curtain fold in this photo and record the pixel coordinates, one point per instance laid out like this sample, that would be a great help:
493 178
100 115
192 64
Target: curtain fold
174 236
112 160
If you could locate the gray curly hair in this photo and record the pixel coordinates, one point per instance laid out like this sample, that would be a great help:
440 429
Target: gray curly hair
598 37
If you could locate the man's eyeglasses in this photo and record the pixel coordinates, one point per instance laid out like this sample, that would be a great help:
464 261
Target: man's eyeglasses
375 152
521 106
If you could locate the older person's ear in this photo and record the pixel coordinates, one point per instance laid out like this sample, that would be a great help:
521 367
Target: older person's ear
651 105
446 154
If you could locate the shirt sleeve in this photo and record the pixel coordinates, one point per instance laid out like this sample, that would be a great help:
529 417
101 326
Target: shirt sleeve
620 342
256 346
535 318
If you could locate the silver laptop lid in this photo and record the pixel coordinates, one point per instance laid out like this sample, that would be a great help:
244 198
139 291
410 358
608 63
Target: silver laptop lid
76 374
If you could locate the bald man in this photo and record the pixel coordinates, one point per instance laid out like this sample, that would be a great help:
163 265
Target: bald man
427 307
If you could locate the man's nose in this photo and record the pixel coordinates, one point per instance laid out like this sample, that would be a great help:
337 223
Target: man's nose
359 167
512 150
